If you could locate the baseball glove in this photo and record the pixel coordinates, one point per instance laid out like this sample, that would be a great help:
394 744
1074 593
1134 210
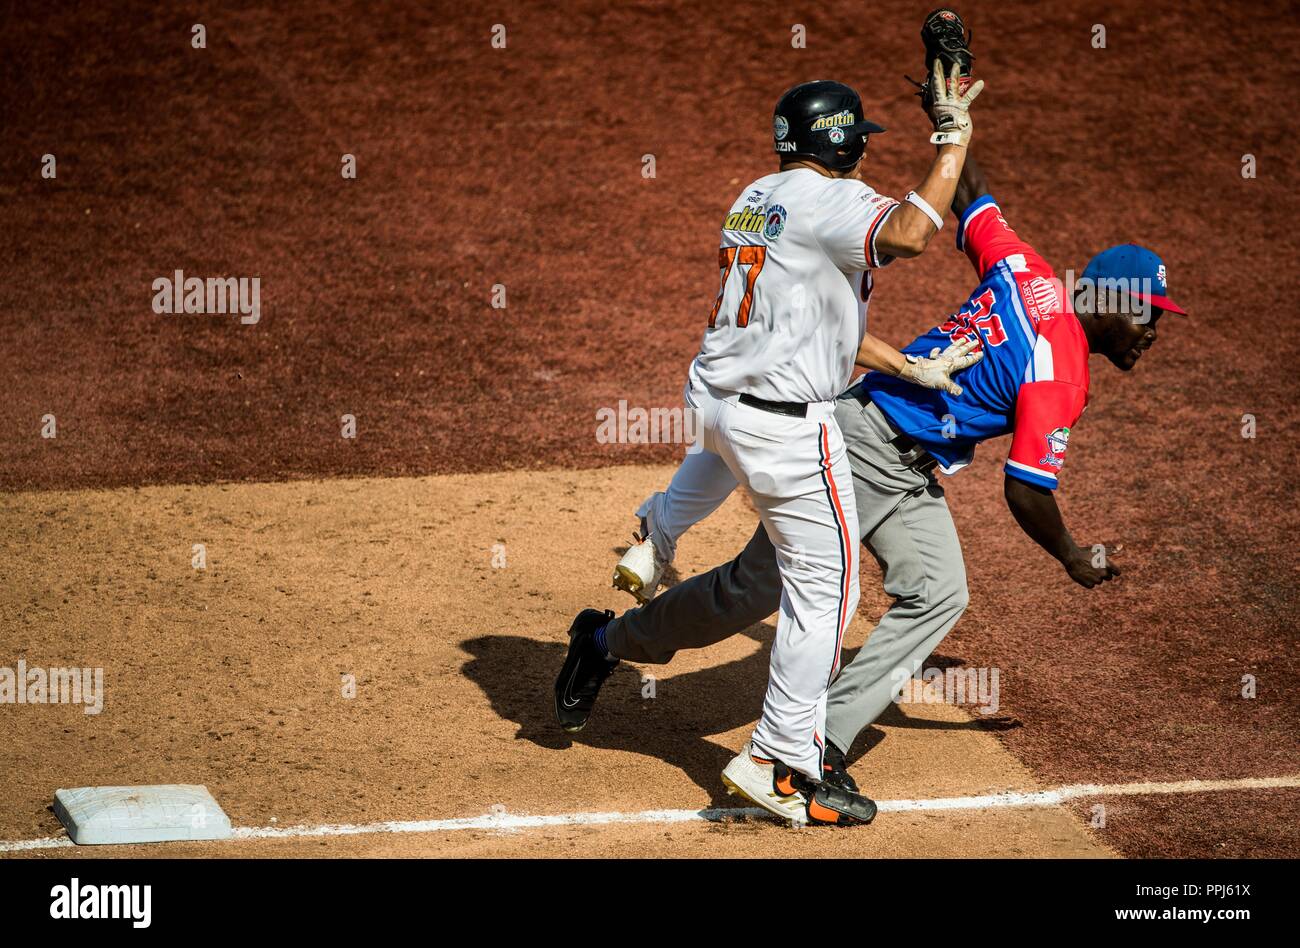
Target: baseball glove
947 40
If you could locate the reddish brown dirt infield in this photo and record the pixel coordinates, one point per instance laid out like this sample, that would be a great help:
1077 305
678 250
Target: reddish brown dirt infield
522 167
231 676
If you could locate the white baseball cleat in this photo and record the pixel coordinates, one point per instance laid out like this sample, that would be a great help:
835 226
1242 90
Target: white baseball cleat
754 778
639 571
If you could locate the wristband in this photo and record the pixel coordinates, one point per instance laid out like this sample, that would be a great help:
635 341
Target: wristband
924 207
950 137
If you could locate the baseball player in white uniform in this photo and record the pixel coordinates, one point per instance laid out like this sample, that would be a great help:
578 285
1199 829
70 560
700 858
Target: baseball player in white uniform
784 336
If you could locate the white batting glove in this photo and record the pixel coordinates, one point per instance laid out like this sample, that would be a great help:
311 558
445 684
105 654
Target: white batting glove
949 109
938 369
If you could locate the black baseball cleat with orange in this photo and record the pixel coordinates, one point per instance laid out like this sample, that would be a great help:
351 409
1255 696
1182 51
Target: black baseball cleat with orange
835 769
825 804
585 669
834 806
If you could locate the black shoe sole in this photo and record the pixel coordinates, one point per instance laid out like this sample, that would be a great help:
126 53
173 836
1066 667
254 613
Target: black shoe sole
851 809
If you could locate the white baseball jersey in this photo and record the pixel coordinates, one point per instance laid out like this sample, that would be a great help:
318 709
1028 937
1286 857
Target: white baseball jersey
795 256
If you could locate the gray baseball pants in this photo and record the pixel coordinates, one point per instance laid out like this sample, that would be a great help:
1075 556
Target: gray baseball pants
906 526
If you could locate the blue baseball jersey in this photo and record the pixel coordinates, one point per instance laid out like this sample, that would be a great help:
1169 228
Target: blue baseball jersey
1033 379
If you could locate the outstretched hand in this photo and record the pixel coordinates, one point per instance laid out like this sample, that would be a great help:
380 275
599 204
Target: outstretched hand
937 370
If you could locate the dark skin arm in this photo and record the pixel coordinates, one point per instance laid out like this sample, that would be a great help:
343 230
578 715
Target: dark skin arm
1035 510
1034 507
970 186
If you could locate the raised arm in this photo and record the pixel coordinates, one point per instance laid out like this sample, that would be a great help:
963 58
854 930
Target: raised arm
971 185
910 228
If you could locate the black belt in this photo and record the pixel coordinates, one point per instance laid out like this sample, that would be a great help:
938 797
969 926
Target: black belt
794 409
923 461
904 443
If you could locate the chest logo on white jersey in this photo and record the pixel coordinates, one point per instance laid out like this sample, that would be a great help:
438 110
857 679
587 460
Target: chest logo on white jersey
768 221
748 221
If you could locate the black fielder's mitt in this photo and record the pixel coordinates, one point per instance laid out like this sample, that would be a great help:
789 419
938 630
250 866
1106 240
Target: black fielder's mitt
947 40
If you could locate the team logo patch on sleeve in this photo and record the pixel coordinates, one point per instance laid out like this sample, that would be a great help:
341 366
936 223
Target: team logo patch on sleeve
1058 439
1042 298
775 222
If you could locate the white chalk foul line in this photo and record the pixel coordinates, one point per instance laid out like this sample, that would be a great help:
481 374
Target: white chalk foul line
503 821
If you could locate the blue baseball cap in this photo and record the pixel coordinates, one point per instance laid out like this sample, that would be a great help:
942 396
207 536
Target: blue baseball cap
1138 267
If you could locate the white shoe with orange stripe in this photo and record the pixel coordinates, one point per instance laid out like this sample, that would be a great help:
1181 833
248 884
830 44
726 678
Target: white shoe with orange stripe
754 778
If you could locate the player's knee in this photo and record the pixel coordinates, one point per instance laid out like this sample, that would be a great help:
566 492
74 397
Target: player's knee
952 596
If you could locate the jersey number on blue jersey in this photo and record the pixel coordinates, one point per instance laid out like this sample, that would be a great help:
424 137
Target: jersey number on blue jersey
975 320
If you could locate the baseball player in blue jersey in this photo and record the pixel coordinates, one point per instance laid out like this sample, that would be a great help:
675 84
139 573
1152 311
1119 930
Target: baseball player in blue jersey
1032 383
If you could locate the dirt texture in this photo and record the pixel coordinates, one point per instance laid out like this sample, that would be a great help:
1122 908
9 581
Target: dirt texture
447 600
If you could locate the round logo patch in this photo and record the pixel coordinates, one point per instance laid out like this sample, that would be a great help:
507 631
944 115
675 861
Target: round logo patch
1058 440
836 135
775 222
780 127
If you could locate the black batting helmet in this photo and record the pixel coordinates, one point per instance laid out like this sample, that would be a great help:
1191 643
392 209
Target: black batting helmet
822 120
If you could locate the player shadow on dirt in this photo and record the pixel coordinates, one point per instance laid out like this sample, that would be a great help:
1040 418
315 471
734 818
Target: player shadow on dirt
517 675
676 725
895 716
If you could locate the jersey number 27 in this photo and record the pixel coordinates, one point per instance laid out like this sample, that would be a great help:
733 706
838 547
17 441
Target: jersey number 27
728 257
